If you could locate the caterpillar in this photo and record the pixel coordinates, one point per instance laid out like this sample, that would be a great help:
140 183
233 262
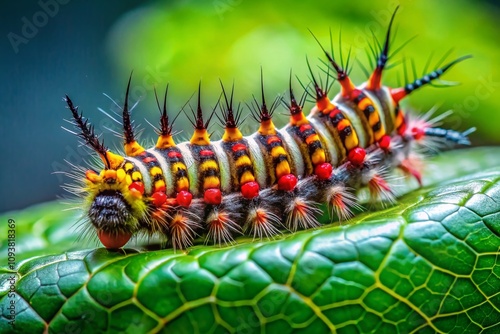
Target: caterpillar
265 182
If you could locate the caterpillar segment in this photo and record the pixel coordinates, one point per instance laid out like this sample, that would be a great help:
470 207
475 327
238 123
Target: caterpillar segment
268 181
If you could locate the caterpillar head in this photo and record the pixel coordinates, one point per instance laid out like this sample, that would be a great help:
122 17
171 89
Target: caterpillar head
115 203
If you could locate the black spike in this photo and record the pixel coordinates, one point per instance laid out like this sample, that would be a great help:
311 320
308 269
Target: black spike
199 114
227 113
265 113
260 111
320 93
165 126
450 135
87 131
294 106
128 131
341 74
432 76
384 55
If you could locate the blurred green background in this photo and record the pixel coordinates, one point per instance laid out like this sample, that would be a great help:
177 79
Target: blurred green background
87 48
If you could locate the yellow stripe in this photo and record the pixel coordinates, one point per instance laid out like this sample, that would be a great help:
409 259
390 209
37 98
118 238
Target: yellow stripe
379 134
206 165
120 175
364 103
128 166
277 151
318 157
312 138
351 141
136 176
159 184
182 184
178 165
155 171
211 182
244 160
283 168
399 119
247 176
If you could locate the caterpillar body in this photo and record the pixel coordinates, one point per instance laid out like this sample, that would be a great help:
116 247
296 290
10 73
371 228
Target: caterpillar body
272 179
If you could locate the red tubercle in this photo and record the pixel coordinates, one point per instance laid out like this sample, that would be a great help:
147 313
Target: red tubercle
138 186
239 147
212 196
174 154
402 129
250 189
398 94
385 142
357 156
206 153
287 182
184 198
305 127
354 94
272 139
158 198
418 133
323 171
147 160
161 188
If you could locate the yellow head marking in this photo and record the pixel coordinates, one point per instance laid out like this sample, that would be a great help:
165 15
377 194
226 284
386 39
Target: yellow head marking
136 176
155 171
115 160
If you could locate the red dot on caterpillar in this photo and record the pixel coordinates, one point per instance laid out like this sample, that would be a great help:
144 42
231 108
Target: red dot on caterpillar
113 240
238 147
287 182
137 186
174 154
206 153
323 171
212 196
160 188
357 156
385 142
417 133
273 139
305 127
158 198
184 198
147 160
250 189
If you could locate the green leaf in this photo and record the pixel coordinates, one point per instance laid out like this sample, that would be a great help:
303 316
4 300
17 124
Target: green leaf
431 263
